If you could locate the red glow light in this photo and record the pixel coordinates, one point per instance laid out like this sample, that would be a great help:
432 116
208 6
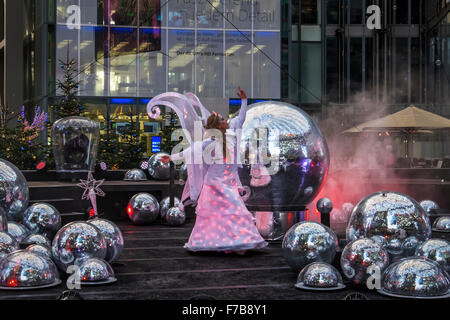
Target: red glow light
129 209
40 165
91 212
12 283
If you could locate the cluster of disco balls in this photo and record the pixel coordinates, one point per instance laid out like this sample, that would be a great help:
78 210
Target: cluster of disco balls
143 208
388 236
157 169
91 245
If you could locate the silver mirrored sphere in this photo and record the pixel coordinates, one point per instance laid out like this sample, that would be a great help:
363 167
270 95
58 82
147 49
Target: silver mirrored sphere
164 205
17 230
174 217
113 237
14 194
75 241
360 255
37 239
415 277
22 269
95 270
392 215
437 250
308 242
428 205
40 249
135 175
324 205
320 275
143 208
3 220
182 174
42 218
293 150
409 246
157 169
8 244
442 224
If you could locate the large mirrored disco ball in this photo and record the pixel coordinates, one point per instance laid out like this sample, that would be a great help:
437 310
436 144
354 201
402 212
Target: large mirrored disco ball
293 150
428 205
135 175
37 239
42 218
319 275
8 244
415 277
75 241
17 230
437 250
392 215
157 169
360 255
164 205
113 237
22 269
40 249
3 220
13 190
442 224
308 242
143 208
174 217
95 270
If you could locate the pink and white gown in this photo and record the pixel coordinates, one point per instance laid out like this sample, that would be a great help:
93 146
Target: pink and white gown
223 222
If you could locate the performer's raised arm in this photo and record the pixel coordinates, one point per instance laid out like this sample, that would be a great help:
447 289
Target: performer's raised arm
238 122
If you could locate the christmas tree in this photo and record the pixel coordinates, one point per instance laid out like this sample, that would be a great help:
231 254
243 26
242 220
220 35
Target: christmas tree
123 149
68 104
20 145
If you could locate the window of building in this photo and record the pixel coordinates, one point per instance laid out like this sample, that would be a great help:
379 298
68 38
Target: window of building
311 72
265 65
356 12
238 62
181 60
332 69
355 68
401 12
209 63
123 57
333 12
310 12
152 62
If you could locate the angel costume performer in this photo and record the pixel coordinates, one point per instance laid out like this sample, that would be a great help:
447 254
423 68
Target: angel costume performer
223 222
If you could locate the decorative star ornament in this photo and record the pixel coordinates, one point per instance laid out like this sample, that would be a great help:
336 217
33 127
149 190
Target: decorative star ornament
91 190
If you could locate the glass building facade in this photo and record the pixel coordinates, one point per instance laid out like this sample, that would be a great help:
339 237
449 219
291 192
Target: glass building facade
337 67
128 51
316 54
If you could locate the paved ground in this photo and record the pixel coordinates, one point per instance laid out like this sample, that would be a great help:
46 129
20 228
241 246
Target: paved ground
155 266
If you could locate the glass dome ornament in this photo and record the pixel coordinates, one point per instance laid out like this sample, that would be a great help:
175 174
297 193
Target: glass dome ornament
95 271
14 193
24 270
75 142
392 215
135 175
319 276
442 224
437 250
417 278
429 205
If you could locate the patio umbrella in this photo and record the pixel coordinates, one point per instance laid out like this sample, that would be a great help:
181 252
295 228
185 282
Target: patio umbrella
411 120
